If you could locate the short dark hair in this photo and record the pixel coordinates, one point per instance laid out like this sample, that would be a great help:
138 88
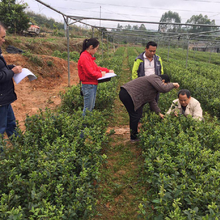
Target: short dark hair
165 77
151 43
184 92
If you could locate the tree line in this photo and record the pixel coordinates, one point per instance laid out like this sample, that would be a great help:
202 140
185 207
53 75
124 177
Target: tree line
16 19
173 17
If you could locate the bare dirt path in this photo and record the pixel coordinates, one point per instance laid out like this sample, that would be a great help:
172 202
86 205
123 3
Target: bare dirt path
120 191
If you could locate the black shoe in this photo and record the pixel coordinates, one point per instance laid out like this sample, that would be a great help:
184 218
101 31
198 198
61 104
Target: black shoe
136 140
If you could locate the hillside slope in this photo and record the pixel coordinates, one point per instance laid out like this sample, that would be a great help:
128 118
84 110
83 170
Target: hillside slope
44 91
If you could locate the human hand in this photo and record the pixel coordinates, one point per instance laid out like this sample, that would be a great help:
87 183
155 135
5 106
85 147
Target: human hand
103 73
161 115
176 113
111 71
176 85
17 69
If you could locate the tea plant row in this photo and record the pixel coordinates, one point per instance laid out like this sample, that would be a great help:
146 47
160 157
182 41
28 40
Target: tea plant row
181 166
202 82
50 171
181 155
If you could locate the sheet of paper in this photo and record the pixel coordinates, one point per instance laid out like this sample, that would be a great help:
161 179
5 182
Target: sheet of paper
25 72
107 75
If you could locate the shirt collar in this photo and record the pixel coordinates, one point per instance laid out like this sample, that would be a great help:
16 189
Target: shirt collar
188 106
147 58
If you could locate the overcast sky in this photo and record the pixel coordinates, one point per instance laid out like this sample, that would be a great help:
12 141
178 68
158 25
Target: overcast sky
126 10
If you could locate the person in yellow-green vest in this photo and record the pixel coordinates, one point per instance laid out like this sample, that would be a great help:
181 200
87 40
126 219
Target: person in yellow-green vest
148 63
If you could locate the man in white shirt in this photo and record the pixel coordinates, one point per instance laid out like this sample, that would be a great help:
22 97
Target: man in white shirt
147 63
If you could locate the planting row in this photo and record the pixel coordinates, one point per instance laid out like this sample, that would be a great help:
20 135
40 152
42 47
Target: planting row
201 78
50 170
181 155
181 166
201 86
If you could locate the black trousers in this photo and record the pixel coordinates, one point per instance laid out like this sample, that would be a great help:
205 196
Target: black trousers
135 116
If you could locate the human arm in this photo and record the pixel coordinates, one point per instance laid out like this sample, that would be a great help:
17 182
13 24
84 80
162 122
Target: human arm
103 73
88 69
159 85
174 108
10 66
154 107
7 72
197 112
102 69
14 68
5 75
135 68
161 64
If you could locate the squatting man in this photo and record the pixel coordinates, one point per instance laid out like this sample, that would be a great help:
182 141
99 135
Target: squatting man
186 105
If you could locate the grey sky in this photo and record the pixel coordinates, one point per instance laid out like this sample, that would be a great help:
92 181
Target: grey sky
127 10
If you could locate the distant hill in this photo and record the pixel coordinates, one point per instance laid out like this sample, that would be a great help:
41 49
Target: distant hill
50 25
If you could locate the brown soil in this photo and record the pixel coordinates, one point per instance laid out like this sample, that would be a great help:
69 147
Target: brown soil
44 91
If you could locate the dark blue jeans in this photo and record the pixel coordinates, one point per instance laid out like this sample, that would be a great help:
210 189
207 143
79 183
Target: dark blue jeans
7 120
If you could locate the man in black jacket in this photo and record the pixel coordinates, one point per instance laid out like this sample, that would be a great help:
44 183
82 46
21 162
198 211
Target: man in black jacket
7 93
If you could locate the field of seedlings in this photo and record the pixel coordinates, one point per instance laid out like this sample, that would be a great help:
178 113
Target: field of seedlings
182 155
52 171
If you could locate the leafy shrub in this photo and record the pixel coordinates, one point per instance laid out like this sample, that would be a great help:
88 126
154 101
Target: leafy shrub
34 58
49 63
106 92
182 167
48 173
201 87
73 55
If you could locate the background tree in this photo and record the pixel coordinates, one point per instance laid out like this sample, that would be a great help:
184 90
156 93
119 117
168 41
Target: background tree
43 21
135 27
128 27
13 16
170 17
142 27
119 27
200 19
102 32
